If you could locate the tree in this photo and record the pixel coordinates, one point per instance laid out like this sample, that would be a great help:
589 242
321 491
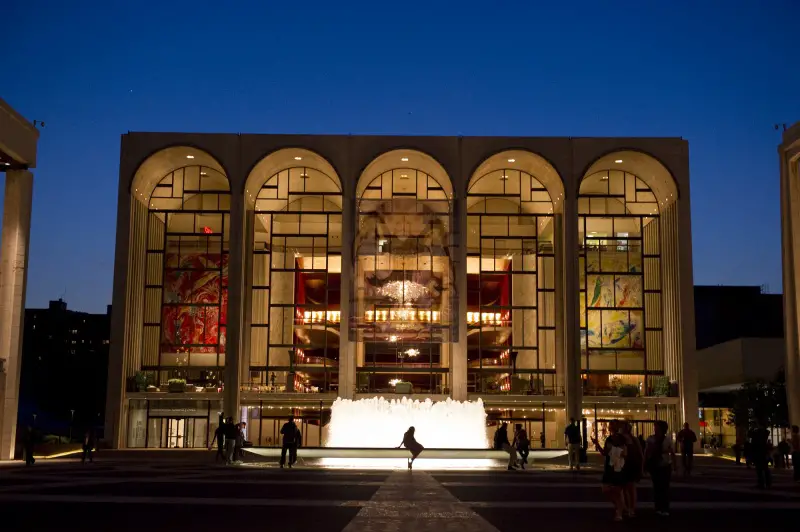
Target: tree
760 401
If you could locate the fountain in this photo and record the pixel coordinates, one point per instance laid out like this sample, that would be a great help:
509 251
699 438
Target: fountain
381 423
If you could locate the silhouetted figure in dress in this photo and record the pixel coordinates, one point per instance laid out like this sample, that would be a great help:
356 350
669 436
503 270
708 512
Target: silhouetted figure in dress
410 443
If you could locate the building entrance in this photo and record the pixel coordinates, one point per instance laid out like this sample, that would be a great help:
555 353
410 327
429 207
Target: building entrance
181 432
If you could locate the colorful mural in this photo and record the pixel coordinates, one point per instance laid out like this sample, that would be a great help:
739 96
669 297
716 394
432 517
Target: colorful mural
195 302
615 327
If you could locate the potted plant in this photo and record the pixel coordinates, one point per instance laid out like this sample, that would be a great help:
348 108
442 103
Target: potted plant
210 388
142 381
628 390
661 386
176 385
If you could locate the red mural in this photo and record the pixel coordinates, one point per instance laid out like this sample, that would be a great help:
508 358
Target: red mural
195 309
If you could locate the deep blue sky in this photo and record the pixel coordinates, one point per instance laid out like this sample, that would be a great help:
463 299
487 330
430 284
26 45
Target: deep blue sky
718 73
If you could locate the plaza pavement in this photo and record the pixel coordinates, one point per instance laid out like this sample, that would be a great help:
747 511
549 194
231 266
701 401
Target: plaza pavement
117 493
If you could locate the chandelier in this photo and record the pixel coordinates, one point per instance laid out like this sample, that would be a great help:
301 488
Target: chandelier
403 290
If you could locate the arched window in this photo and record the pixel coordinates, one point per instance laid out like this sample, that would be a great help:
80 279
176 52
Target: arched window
186 286
620 283
511 316
296 277
403 277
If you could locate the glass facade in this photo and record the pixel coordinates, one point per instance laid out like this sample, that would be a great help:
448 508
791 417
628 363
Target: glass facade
172 423
296 283
511 315
390 265
403 284
186 285
620 287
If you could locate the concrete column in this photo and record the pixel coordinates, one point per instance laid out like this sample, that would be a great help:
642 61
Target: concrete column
790 216
115 392
236 284
13 278
347 353
458 360
573 391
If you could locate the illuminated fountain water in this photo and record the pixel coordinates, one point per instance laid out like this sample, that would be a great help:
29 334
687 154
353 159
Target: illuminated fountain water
381 423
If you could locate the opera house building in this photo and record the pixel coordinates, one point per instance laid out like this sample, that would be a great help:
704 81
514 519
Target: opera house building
262 276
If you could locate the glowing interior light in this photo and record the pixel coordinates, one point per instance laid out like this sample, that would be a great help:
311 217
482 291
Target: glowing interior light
394 382
381 423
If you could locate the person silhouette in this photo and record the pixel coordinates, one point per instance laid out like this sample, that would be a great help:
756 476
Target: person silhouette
412 445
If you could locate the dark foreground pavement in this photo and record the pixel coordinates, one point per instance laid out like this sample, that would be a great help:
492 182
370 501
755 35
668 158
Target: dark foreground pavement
125 495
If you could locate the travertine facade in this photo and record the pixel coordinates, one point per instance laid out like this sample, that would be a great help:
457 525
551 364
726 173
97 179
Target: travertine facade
551 277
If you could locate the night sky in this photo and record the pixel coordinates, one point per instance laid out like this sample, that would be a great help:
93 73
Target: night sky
718 73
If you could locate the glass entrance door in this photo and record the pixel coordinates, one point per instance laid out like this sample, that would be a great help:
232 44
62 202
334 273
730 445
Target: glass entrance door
176 433
181 433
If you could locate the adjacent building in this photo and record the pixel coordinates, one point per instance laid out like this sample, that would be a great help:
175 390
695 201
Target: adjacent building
64 369
739 339
263 275
18 139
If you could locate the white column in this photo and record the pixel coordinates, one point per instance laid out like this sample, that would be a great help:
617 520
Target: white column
790 216
236 285
13 277
347 353
572 343
458 360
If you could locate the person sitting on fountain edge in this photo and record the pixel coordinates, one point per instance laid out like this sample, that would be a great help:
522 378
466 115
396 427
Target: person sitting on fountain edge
412 445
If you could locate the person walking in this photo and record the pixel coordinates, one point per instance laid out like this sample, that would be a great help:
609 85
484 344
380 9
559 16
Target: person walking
632 469
88 446
501 443
687 439
238 445
289 431
784 450
795 441
219 438
27 446
411 443
572 438
660 460
759 447
522 443
613 450
230 432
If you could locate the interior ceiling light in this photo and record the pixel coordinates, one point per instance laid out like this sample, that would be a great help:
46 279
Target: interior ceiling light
412 352
504 177
604 178
190 156
403 290
403 176
298 158
404 159
618 161
203 173
512 160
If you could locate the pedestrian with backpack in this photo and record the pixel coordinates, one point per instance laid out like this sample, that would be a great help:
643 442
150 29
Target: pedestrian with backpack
660 461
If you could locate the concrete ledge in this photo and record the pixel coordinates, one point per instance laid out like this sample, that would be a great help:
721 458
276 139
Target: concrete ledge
449 454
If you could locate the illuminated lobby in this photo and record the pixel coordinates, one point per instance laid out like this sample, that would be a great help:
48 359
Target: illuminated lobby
262 276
